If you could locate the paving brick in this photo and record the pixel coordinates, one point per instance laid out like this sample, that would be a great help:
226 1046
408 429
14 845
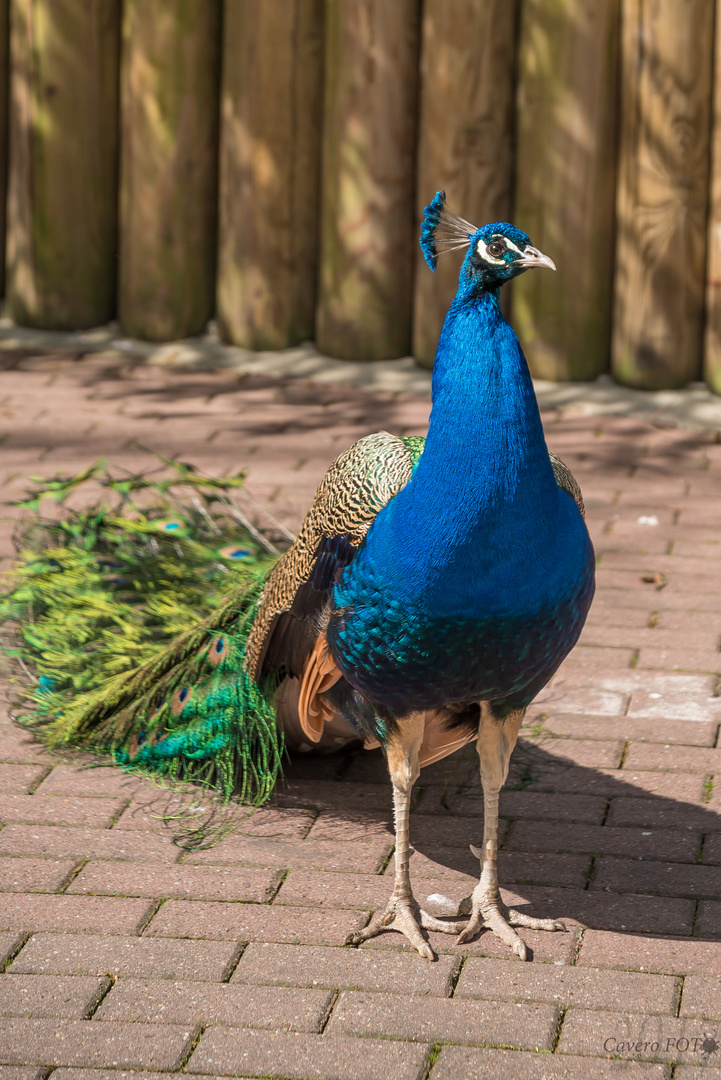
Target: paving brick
92 1044
664 814
583 699
18 1072
78 782
19 746
110 1074
149 810
443 832
660 879
306 1057
18 779
712 849
684 732
126 957
466 1063
679 659
354 829
649 1038
54 841
708 922
162 1001
701 997
81 914
49 995
675 704
677 759
443 1020
538 868
651 954
9 944
583 988
688 1072
54 810
356 858
536 805
674 845
591 753
190 882
254 922
34 875
620 783
360 891
344 969
611 910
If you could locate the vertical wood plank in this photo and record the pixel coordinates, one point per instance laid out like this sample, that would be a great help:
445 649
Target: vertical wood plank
62 187
465 137
271 108
566 183
712 342
168 174
662 193
4 134
368 215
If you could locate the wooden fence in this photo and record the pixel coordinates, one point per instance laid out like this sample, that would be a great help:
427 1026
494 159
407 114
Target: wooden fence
266 161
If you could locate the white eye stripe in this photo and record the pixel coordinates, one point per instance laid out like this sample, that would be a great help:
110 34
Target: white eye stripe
483 252
512 246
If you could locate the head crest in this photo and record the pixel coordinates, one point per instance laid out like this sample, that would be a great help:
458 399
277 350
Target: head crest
443 229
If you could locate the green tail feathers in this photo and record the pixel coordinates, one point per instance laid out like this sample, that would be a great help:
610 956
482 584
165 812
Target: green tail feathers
127 622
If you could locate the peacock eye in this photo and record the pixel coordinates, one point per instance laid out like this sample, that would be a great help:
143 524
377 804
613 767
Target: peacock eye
496 249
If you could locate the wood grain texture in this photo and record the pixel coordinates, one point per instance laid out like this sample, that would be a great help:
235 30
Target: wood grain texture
4 139
662 192
712 337
465 137
566 183
168 171
368 217
62 186
271 109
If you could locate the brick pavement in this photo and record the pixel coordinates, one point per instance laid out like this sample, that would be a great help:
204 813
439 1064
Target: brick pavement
125 955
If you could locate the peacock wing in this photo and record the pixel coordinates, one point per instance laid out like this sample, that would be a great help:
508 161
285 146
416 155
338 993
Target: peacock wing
358 484
567 481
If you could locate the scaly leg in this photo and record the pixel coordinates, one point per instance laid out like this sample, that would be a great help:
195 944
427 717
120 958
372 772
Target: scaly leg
496 740
403 912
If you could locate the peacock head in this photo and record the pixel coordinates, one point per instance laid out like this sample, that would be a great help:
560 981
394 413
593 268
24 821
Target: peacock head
496 253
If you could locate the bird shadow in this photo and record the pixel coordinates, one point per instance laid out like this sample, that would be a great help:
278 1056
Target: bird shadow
606 849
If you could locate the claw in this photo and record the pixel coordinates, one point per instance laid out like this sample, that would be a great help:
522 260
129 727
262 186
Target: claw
400 915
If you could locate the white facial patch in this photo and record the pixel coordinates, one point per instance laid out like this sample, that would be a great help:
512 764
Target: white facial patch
483 252
482 249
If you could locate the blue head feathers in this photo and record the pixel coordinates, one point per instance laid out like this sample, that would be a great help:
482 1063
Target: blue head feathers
498 252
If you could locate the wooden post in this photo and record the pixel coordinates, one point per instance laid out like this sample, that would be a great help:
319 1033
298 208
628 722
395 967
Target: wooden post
271 107
62 187
168 177
368 216
566 183
4 89
465 137
712 343
662 194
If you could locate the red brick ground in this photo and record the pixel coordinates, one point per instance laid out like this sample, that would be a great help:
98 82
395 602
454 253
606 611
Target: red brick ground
124 953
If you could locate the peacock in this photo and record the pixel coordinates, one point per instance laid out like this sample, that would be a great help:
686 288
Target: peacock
434 588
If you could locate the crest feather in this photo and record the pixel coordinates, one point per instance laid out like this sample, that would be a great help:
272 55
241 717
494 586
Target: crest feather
444 229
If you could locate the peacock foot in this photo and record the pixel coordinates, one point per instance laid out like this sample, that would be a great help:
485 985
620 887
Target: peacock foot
488 912
405 915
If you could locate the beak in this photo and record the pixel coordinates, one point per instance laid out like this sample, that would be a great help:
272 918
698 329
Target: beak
533 257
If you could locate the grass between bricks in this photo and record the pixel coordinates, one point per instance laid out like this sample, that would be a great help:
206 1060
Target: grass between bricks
22 942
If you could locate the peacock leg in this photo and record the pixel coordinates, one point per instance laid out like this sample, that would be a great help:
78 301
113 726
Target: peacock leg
496 740
402 912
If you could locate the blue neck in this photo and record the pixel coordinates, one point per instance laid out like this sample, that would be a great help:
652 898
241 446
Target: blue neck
482 505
